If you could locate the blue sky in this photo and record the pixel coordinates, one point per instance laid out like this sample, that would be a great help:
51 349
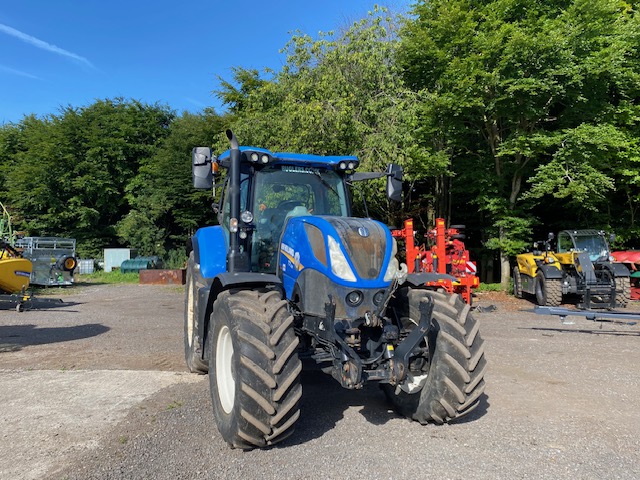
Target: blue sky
72 52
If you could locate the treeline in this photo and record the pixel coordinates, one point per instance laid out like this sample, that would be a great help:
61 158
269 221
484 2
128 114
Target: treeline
513 117
114 173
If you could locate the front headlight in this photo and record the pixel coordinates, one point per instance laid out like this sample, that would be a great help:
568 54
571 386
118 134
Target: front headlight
339 265
393 266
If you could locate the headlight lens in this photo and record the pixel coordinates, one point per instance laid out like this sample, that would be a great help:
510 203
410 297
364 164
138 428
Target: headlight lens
339 265
246 216
393 267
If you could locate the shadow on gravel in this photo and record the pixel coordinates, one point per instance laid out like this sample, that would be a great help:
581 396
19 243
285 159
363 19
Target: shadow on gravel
14 337
615 333
324 402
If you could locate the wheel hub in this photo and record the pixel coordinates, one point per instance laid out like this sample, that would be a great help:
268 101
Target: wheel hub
413 383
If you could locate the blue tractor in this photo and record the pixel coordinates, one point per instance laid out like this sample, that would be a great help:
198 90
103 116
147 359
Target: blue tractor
289 275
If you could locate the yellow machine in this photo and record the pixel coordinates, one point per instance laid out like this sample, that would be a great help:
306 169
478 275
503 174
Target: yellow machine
582 265
15 271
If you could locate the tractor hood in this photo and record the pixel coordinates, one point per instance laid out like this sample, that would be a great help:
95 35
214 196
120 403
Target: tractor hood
348 251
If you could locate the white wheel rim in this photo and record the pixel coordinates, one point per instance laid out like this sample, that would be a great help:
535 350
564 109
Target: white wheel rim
224 375
190 311
413 383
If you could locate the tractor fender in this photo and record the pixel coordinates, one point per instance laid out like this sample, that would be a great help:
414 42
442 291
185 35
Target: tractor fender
419 279
550 271
226 281
210 247
618 269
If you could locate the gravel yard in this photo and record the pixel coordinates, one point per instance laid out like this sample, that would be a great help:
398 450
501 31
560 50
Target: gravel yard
97 389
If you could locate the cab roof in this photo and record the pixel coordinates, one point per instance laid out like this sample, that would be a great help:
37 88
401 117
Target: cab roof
303 159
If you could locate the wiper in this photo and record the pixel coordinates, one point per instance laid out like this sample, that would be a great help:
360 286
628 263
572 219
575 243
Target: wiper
325 183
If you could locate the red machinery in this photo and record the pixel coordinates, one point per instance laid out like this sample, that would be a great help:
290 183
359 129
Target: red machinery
447 254
631 258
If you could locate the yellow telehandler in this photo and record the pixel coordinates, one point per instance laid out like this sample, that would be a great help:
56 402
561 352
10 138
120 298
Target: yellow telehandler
582 265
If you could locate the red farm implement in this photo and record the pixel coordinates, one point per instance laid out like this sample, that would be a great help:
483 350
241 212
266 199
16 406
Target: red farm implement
631 258
446 254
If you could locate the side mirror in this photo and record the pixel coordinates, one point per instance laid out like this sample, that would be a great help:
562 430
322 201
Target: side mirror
612 238
202 174
394 182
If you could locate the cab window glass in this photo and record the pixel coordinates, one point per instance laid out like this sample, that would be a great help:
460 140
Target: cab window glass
564 243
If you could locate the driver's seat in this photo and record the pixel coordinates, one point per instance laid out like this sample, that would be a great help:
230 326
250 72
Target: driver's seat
298 211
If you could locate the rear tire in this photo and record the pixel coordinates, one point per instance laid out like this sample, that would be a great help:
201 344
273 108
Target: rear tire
517 282
452 378
254 372
548 291
192 341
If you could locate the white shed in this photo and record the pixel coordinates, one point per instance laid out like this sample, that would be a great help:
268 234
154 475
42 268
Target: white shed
113 257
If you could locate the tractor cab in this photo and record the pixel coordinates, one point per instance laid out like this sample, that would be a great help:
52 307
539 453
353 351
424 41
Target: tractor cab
276 192
274 187
591 242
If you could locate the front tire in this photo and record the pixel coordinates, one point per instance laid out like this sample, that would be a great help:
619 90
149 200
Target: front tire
192 341
448 384
548 291
254 373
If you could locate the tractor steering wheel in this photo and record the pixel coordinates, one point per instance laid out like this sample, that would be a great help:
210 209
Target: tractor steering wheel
288 205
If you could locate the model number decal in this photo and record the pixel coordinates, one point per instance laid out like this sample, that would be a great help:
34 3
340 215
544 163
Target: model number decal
293 169
292 256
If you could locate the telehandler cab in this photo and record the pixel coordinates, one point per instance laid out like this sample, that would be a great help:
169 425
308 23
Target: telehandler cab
288 275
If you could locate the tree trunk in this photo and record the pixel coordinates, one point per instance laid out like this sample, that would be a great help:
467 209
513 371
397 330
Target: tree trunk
505 267
505 272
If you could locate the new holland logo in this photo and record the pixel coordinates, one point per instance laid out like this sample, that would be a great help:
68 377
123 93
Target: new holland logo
363 231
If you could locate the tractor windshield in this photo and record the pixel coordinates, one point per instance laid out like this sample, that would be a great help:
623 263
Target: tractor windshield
593 244
281 191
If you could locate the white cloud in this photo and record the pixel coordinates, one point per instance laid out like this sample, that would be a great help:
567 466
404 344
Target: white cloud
13 71
43 45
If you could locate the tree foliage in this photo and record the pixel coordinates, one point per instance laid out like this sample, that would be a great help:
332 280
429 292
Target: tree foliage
66 174
337 94
527 97
165 209
514 117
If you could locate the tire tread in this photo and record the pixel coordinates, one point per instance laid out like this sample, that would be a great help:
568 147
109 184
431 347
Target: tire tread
268 369
455 380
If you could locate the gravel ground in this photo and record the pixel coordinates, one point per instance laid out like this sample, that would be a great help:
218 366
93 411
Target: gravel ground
97 389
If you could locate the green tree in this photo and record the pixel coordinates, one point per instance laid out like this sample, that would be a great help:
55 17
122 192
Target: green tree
68 176
337 94
508 83
166 210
